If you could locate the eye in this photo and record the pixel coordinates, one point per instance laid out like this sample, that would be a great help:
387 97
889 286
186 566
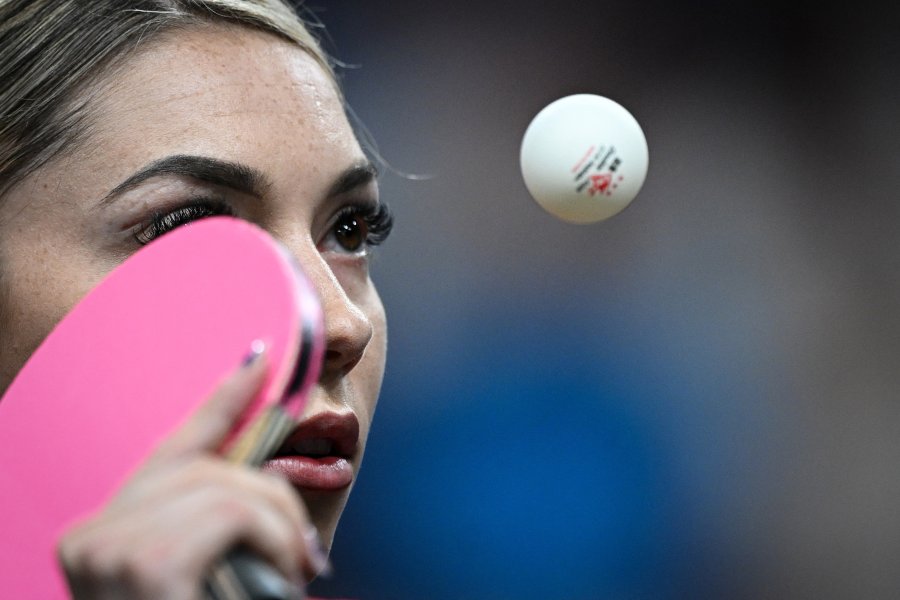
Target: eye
358 228
163 222
350 232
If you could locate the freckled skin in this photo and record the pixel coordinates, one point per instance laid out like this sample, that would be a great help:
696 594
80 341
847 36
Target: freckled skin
218 91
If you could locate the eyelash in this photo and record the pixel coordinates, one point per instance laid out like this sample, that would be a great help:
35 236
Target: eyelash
379 219
164 222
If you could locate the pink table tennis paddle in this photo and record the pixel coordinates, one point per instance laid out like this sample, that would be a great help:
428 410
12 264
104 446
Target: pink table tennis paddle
130 363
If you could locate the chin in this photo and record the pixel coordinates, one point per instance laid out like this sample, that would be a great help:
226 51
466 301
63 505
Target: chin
325 509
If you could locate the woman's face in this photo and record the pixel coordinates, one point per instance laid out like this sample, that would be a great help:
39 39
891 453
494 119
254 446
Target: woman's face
215 97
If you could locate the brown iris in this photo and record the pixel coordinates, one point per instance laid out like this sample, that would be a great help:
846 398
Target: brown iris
350 233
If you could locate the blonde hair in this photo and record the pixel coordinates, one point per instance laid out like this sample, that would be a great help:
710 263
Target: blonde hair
52 50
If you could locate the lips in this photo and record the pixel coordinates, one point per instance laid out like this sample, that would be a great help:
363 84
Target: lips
318 454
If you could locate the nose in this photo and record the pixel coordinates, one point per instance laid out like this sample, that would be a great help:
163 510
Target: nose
348 329
347 334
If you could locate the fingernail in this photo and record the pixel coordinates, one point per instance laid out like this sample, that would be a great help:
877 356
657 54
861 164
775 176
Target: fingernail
317 555
257 348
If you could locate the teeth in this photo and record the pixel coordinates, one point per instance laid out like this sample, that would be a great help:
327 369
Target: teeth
314 447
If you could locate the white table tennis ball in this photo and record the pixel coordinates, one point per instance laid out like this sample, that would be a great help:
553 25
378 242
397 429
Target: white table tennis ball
584 158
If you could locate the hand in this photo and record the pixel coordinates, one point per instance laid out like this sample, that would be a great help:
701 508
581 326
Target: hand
185 508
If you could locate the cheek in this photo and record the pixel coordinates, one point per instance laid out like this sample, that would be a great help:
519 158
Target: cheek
36 291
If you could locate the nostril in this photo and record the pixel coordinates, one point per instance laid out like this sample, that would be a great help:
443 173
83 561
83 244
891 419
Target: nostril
340 362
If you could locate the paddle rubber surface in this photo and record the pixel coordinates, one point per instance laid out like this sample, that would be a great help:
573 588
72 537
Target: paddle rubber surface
128 365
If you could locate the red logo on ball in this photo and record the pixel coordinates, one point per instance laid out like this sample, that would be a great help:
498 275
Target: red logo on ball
594 172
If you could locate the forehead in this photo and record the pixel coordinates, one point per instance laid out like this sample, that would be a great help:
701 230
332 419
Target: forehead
222 92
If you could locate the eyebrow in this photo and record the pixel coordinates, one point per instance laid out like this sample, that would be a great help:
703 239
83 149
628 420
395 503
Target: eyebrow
219 172
357 176
237 176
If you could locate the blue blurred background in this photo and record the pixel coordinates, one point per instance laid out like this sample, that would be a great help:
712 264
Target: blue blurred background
696 398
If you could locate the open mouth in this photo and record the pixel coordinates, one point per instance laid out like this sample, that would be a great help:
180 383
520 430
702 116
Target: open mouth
314 448
318 455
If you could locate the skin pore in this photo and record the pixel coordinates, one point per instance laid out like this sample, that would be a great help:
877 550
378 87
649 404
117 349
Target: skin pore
207 106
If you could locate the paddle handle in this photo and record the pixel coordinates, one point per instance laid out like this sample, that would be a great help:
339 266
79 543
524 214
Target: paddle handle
242 574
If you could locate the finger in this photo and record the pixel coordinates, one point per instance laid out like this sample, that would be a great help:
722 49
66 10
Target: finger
316 556
266 532
219 519
170 489
212 422
160 486
172 546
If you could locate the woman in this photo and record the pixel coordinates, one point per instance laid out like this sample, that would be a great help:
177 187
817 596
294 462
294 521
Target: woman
123 120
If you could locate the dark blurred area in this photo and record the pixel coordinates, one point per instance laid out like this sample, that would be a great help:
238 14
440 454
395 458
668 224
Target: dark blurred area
696 398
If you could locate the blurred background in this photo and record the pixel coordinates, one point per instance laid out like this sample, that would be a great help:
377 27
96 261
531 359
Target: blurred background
696 398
